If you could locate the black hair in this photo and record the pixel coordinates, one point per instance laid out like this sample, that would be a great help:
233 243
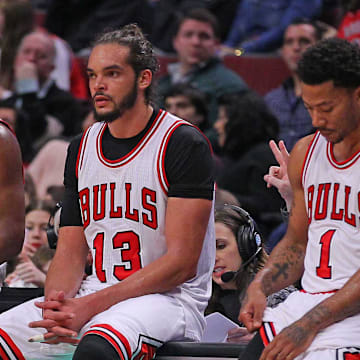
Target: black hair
318 30
197 98
141 55
332 59
250 122
202 15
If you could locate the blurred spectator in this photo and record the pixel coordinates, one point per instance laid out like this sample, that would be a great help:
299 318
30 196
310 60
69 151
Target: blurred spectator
22 272
245 125
285 101
259 25
30 190
79 21
43 110
349 27
18 19
47 168
188 103
240 255
196 43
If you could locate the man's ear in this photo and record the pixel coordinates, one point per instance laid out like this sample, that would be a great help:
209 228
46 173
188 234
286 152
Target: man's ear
145 79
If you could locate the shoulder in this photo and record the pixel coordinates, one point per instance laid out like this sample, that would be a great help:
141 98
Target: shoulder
7 136
297 157
188 134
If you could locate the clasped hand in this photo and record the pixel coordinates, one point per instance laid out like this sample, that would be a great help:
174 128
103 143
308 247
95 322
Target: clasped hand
62 318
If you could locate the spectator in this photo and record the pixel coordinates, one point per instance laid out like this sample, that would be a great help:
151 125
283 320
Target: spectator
22 272
259 25
349 27
47 168
245 126
196 43
285 101
188 103
240 255
11 198
46 110
17 20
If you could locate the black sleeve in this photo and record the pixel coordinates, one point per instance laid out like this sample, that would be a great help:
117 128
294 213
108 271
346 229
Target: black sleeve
70 213
189 164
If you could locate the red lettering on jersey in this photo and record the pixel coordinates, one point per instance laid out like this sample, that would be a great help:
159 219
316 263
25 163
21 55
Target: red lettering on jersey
336 215
84 195
135 214
322 199
147 352
349 356
310 202
118 212
99 215
152 220
98 245
350 220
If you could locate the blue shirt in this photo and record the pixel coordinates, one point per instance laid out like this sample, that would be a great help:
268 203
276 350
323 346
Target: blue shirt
294 119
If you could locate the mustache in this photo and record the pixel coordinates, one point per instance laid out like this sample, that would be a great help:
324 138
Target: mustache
100 93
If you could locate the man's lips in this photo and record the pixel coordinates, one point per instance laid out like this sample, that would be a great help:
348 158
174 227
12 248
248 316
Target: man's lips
101 100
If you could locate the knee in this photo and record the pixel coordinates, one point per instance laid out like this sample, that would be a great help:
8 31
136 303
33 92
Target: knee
94 347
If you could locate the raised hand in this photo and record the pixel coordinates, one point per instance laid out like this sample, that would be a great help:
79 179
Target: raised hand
278 175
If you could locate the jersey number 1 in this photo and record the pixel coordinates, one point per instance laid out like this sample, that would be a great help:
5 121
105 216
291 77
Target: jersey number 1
129 244
324 269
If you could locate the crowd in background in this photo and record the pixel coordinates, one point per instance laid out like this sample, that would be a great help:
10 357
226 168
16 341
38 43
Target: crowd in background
44 96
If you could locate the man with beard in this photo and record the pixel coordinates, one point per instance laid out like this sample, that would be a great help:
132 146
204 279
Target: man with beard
138 194
322 242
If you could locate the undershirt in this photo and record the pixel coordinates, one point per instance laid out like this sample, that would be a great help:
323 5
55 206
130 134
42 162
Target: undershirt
189 166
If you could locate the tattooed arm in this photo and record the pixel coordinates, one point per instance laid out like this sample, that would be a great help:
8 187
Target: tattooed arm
286 262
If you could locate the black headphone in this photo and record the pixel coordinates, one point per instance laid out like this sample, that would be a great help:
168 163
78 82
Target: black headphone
53 227
248 241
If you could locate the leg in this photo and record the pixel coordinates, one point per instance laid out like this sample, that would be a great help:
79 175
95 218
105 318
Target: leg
135 328
92 347
254 349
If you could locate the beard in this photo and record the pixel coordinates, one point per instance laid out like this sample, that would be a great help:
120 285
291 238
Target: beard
127 103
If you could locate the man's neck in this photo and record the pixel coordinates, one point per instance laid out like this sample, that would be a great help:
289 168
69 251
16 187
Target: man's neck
297 87
132 122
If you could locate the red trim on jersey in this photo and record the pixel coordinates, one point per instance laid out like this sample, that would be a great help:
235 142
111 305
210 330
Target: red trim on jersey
3 354
317 293
81 151
135 151
264 333
161 156
118 335
309 153
109 339
341 165
16 351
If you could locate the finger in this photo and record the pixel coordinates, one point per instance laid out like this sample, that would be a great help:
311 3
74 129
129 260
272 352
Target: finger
62 331
276 151
284 151
273 181
274 170
59 316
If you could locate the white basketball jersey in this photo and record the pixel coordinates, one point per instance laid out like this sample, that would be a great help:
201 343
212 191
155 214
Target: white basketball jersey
123 204
332 196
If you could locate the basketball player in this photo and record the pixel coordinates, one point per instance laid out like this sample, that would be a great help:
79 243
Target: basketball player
139 189
322 243
12 208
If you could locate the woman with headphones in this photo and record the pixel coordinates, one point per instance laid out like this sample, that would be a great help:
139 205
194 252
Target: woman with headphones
240 254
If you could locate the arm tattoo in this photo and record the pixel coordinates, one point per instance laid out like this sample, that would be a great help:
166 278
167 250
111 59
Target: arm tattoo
281 270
